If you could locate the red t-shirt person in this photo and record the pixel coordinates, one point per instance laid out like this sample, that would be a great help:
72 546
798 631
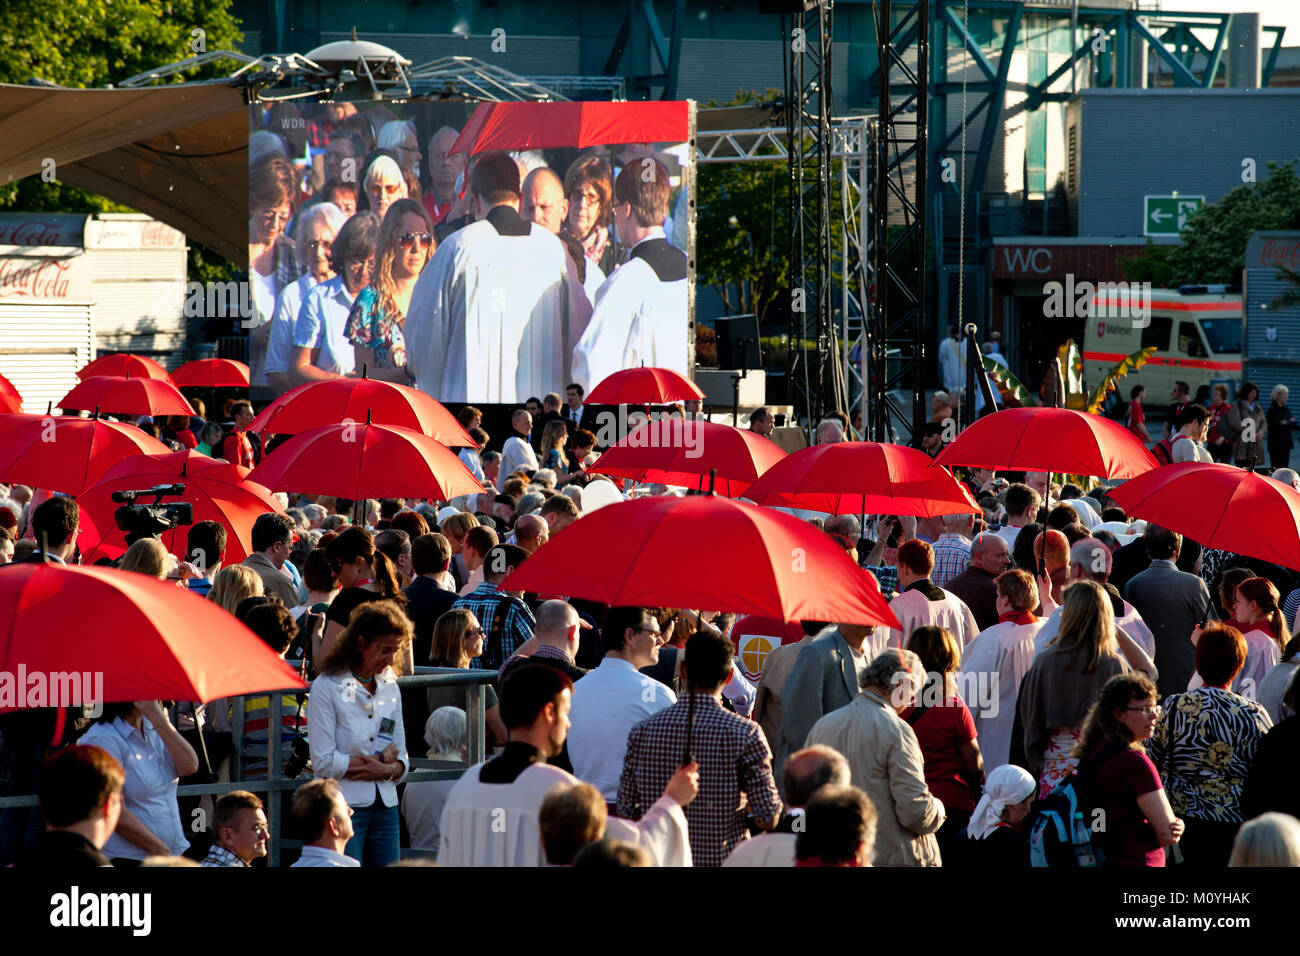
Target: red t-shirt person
941 731
237 449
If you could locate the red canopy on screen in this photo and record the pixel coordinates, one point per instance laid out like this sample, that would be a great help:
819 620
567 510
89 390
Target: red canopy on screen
553 125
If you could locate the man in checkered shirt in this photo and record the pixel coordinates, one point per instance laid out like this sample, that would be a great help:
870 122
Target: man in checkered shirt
733 756
490 604
952 549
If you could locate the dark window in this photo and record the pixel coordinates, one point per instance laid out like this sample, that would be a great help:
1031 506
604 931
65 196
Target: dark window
1189 340
1157 333
1224 335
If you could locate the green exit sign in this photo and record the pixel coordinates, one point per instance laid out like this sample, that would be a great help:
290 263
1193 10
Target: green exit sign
1166 215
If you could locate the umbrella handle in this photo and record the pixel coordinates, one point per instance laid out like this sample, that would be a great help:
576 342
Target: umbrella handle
688 757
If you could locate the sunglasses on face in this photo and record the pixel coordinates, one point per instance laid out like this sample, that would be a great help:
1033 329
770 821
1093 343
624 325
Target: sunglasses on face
272 216
316 244
389 188
361 265
475 632
408 239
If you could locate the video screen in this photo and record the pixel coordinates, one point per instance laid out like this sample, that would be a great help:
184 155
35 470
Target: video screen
483 253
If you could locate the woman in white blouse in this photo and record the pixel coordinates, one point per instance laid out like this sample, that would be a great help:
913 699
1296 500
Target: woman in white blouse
355 730
1265 631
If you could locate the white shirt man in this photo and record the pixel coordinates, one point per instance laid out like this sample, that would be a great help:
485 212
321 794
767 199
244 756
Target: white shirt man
640 314
497 311
920 602
490 817
613 697
952 362
994 664
516 453
311 802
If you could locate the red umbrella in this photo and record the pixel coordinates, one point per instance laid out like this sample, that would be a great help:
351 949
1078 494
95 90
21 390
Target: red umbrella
644 386
705 552
1219 506
133 396
862 477
211 373
1049 439
66 453
327 403
366 461
676 452
148 639
217 489
10 400
124 363
580 124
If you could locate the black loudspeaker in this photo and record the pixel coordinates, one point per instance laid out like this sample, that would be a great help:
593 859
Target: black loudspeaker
738 342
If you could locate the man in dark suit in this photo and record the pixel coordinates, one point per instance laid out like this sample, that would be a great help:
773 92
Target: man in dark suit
576 414
1172 603
54 525
989 557
81 800
824 678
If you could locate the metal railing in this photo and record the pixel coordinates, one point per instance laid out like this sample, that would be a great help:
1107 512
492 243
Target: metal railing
422 769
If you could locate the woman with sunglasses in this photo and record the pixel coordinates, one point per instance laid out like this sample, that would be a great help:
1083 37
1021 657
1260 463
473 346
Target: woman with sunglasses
382 182
458 639
365 574
374 326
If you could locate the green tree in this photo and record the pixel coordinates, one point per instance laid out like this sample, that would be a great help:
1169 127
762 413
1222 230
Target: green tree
1214 240
93 43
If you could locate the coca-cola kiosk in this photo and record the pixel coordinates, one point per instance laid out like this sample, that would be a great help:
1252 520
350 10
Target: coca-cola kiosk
47 327
1272 334
73 286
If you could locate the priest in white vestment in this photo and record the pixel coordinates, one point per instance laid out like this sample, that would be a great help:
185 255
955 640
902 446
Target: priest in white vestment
640 310
490 817
920 602
498 310
994 664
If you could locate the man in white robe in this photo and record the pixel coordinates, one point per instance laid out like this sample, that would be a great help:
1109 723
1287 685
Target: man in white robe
994 664
495 315
920 602
490 817
640 315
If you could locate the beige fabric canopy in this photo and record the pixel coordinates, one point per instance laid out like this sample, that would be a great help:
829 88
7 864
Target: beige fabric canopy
178 153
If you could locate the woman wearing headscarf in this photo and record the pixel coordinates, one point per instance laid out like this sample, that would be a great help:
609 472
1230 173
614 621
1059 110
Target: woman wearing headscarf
994 838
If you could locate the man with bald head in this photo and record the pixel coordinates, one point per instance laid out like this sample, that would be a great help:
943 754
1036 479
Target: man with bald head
496 312
517 453
531 532
1056 563
806 772
989 557
1090 560
544 201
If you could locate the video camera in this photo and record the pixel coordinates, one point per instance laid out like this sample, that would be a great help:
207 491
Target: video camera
151 520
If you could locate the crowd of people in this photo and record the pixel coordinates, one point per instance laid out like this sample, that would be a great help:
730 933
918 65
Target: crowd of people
489 278
1037 649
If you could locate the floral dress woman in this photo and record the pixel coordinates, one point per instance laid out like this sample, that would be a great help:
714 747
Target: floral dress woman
1203 749
370 327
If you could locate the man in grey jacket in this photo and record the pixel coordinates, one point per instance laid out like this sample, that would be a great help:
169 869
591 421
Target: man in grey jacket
272 541
824 678
885 759
1172 603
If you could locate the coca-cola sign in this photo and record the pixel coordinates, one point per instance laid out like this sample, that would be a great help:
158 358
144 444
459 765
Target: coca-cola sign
33 230
42 279
1265 250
